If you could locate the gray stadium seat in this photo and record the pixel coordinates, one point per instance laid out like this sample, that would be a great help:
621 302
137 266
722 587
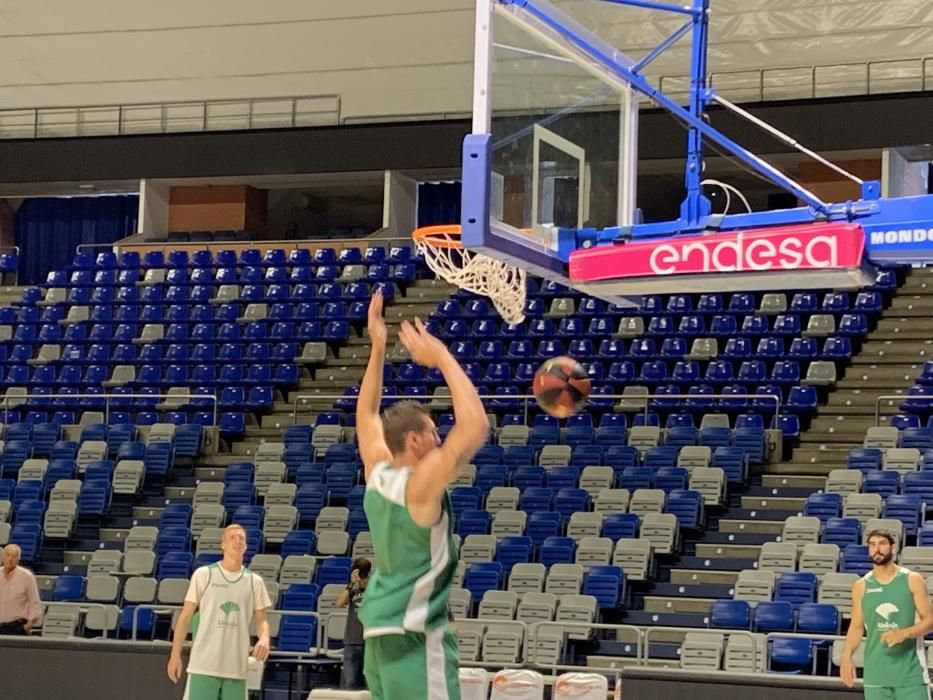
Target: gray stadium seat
508 522
778 557
819 558
702 651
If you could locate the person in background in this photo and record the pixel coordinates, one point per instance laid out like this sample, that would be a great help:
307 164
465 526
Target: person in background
891 610
352 676
227 597
20 608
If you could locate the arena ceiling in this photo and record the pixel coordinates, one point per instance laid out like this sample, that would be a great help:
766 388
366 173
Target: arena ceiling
389 58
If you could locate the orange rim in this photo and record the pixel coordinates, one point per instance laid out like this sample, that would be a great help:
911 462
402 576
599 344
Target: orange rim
443 236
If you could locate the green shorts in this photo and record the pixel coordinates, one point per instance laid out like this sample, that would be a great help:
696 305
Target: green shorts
910 692
413 665
213 688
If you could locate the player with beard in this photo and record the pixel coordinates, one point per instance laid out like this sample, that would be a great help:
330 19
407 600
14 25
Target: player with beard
891 604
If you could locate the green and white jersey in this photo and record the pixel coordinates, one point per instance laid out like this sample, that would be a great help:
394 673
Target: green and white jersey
885 607
414 565
226 602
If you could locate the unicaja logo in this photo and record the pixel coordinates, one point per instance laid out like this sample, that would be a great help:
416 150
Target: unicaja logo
228 608
886 610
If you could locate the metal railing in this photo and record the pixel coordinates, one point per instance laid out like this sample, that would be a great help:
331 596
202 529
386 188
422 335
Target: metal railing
84 608
628 403
171 117
879 77
562 629
7 399
899 399
797 82
754 85
285 243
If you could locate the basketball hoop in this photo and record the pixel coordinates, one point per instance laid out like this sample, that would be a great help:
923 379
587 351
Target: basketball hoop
444 253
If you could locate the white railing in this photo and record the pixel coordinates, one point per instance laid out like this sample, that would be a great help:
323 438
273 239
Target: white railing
754 85
8 402
628 403
171 117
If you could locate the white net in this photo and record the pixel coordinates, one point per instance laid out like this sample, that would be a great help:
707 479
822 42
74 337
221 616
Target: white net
504 284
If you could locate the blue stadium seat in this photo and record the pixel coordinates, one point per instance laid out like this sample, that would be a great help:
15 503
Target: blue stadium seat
606 584
514 550
884 483
482 577
818 618
730 614
823 506
557 550
773 616
617 526
796 588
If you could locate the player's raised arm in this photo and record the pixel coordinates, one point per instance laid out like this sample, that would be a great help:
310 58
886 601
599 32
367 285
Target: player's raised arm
369 434
435 471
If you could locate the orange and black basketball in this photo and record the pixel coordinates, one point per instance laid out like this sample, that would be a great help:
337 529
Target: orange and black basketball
561 386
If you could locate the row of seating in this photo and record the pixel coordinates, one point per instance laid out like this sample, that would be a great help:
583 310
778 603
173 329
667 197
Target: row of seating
109 260
206 285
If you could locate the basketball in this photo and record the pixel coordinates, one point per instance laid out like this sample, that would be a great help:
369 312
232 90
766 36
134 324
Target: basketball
561 386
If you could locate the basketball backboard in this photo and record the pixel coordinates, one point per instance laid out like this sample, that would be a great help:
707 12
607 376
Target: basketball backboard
550 168
560 143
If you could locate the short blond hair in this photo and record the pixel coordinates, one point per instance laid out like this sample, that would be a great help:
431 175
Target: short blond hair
234 526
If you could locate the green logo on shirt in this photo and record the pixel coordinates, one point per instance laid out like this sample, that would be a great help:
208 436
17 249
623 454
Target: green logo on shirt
228 608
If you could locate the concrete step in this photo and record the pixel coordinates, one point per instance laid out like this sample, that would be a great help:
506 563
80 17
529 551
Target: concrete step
728 551
225 459
688 576
179 493
829 424
777 481
677 605
147 513
771 527
794 467
335 373
214 472
877 348
816 453
407 309
912 302
74 557
900 327
112 535
772 503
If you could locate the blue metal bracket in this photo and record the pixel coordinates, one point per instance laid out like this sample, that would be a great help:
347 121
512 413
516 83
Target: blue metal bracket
662 47
697 206
663 6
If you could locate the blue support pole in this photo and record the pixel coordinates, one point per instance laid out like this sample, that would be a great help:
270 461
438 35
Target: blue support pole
696 207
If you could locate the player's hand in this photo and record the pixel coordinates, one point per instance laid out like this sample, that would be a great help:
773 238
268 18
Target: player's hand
376 324
893 637
847 672
355 576
260 651
423 347
174 668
